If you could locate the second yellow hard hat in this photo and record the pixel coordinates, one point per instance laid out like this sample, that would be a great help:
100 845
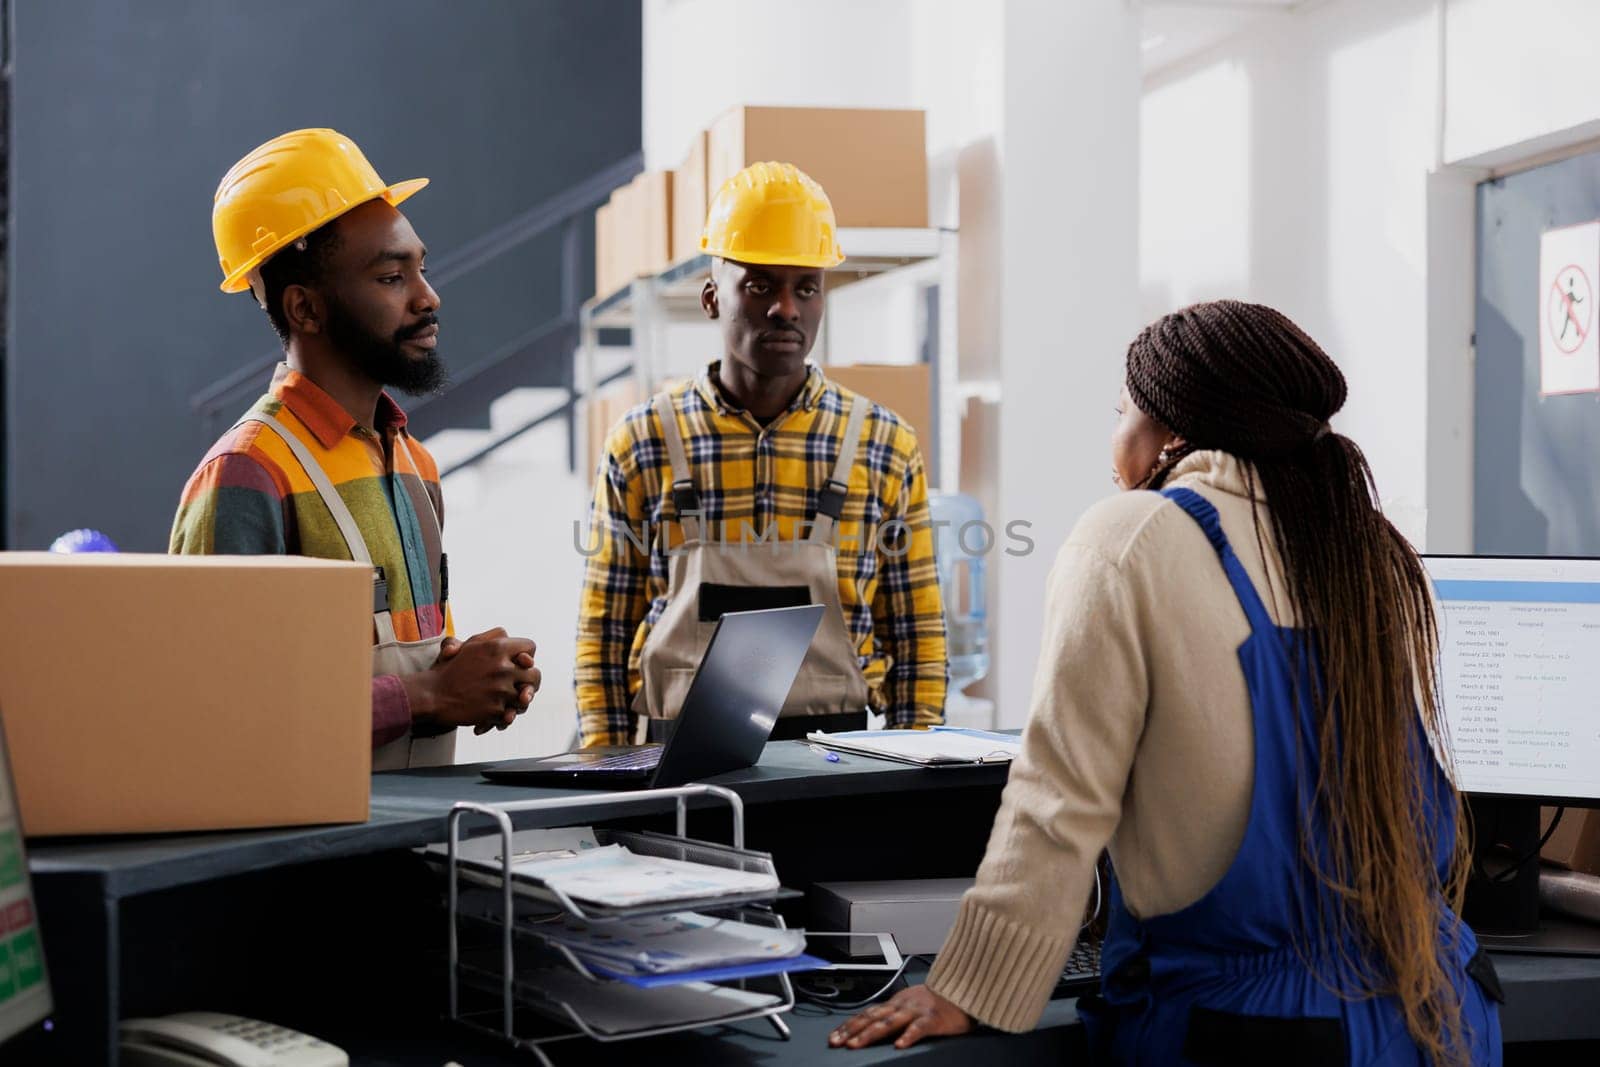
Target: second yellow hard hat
772 214
286 188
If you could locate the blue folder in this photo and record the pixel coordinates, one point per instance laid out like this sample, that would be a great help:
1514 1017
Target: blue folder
759 969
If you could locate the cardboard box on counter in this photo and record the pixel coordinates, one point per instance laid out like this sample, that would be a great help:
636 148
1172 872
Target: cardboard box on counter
904 389
872 163
148 693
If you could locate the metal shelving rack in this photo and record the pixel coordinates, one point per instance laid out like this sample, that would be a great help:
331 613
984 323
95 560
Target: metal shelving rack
510 926
648 305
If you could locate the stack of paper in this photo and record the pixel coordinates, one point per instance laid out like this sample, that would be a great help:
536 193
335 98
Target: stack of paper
611 1008
611 876
669 949
682 941
938 747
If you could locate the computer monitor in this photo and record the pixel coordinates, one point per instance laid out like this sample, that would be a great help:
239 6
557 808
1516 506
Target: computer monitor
1519 645
24 988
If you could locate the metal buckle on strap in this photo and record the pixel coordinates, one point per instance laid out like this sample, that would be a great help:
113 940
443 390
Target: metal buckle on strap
830 499
685 497
380 591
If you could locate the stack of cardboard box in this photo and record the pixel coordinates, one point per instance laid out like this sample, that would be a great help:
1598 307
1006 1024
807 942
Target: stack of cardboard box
873 163
633 232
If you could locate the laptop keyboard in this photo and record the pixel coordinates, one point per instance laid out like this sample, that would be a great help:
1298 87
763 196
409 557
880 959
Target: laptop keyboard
642 759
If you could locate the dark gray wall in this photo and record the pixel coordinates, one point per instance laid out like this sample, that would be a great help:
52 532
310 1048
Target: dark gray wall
1536 459
125 116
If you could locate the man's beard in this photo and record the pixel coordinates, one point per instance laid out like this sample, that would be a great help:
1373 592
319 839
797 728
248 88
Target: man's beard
384 359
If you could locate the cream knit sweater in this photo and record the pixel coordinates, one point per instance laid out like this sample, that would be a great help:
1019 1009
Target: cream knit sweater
1139 739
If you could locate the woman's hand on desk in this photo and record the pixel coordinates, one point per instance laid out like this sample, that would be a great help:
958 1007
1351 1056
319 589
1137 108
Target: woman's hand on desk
913 1013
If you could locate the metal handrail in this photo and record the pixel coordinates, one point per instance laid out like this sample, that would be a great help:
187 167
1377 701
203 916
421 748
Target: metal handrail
475 253
527 427
521 343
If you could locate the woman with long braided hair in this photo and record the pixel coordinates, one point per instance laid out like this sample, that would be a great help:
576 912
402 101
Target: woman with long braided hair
1237 696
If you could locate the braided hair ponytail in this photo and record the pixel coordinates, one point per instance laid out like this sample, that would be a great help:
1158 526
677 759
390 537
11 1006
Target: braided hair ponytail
1243 379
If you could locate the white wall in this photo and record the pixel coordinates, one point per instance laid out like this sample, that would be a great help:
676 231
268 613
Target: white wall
1520 75
1289 166
702 57
1069 164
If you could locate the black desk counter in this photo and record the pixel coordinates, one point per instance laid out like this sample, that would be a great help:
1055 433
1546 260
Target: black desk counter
269 923
409 809
161 923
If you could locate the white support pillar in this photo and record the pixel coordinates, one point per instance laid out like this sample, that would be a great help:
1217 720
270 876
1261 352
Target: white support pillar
1068 290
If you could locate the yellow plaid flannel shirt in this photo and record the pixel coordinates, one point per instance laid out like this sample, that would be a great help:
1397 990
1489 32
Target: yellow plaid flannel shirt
764 477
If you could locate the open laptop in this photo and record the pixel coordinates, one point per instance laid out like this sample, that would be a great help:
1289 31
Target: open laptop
727 715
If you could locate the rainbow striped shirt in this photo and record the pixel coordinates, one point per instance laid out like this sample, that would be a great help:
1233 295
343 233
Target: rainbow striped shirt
250 496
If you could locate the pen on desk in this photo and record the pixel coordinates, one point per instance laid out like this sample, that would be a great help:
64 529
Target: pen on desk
831 757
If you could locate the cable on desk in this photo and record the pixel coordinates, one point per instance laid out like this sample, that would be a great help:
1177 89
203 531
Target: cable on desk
829 1004
1098 901
1510 873
826 1000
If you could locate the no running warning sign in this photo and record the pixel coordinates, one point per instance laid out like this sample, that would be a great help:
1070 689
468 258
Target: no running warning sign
1569 348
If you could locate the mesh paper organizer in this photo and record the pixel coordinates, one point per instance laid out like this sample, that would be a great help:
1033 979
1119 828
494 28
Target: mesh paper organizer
561 1019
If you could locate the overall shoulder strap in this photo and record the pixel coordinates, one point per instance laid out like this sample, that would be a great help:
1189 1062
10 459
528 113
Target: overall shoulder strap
1204 513
400 439
438 527
685 497
340 511
830 499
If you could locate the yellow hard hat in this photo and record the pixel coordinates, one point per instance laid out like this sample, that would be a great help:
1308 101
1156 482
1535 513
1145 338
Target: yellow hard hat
285 189
772 213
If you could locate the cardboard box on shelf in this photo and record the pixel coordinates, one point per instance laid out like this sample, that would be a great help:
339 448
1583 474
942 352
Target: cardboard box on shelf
644 232
601 411
605 253
691 196
873 163
904 389
149 693
625 254
1576 843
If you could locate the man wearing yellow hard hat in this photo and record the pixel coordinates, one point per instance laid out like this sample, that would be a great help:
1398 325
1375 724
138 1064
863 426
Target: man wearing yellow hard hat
322 465
762 484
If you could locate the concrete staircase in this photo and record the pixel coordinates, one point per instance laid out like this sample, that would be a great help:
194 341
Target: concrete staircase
513 557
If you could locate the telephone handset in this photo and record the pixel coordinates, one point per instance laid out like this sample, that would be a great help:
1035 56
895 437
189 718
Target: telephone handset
210 1039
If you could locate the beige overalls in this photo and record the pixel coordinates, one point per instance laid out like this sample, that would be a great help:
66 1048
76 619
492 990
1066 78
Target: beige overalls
389 655
704 576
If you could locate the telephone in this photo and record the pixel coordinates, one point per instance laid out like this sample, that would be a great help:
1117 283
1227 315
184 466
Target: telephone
210 1039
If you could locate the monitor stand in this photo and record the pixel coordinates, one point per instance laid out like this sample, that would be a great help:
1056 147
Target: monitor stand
1505 913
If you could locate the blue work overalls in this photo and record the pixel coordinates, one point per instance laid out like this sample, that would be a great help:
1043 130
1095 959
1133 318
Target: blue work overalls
1224 980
